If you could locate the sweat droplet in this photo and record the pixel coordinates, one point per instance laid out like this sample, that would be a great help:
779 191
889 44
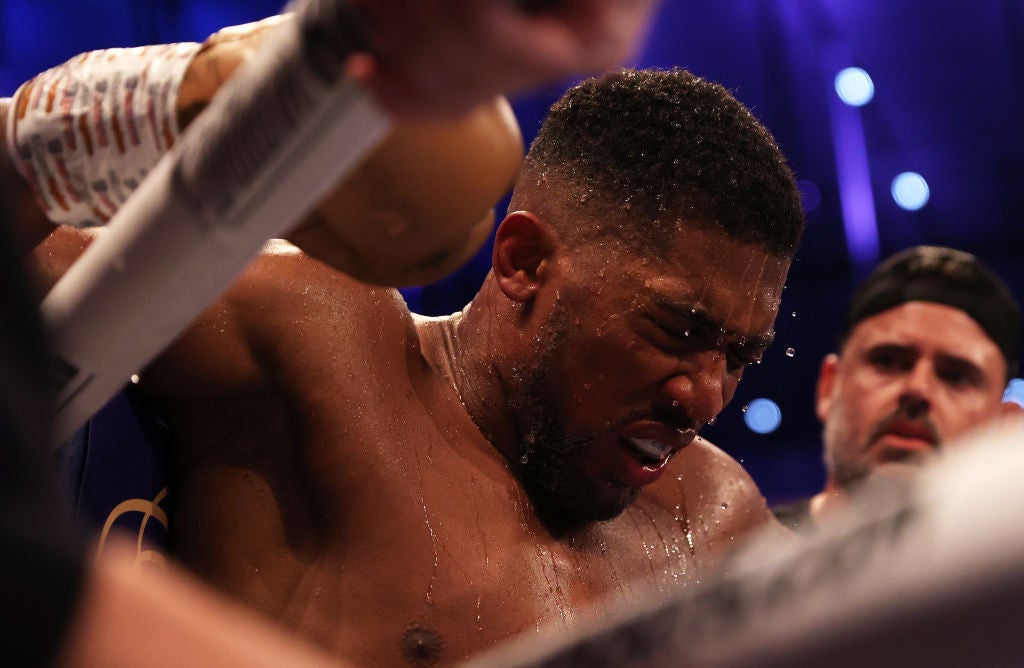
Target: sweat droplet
725 506
744 409
790 352
794 314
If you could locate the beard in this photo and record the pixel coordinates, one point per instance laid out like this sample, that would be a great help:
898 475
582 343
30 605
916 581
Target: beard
851 463
550 466
847 464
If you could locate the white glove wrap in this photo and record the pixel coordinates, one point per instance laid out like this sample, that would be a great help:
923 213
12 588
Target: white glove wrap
84 134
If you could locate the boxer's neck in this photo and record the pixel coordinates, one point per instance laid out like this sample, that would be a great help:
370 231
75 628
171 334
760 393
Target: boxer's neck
473 350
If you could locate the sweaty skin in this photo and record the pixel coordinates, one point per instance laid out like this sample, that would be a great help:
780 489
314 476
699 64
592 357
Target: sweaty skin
352 470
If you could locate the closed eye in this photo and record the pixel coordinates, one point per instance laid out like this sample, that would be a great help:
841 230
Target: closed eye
738 355
741 357
681 333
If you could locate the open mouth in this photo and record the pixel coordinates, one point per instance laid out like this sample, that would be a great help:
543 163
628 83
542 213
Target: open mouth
649 451
642 451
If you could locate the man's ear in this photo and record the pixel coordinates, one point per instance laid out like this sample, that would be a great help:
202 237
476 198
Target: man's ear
826 381
1011 410
523 246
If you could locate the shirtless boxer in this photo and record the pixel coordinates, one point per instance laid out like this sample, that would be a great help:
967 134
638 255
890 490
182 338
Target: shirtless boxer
407 491
125 620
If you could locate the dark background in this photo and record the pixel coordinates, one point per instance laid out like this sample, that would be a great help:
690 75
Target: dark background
949 80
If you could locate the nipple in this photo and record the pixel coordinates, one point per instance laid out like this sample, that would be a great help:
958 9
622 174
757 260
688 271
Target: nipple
421 647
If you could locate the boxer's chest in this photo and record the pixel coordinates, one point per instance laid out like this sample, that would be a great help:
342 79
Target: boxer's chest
440 557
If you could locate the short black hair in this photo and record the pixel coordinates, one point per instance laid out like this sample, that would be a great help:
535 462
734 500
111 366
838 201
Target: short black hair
667 145
944 276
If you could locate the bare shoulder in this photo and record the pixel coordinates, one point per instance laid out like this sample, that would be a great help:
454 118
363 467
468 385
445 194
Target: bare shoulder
289 322
709 470
283 272
290 303
714 487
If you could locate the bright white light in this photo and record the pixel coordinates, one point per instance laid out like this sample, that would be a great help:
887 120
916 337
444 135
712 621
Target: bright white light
910 191
763 416
1015 392
854 86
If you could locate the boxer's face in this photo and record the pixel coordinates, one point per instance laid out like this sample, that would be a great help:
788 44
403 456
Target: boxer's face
908 379
634 356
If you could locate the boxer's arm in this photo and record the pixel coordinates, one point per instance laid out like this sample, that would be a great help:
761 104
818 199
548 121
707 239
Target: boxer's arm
415 210
234 346
283 310
396 211
129 618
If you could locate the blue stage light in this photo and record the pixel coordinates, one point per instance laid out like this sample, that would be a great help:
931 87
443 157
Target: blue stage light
1015 392
910 191
854 86
762 416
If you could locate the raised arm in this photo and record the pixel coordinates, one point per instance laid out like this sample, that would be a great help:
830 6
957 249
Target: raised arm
417 208
413 212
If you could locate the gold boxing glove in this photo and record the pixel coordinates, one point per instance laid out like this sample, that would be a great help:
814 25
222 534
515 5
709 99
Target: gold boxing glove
418 207
421 205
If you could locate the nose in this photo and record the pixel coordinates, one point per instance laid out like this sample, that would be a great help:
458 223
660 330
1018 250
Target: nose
702 389
918 388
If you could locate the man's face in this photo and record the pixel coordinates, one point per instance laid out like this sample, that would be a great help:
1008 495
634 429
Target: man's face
908 379
634 356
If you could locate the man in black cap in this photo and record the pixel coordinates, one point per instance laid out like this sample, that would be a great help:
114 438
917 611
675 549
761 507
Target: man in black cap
930 340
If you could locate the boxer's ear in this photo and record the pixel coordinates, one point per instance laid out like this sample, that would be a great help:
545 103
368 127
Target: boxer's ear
523 246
